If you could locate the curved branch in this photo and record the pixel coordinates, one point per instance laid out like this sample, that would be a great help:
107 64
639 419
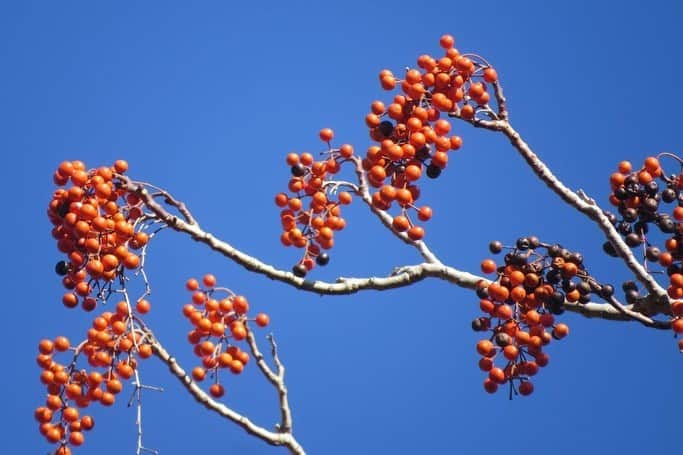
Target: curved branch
401 277
343 286
579 200
285 439
586 206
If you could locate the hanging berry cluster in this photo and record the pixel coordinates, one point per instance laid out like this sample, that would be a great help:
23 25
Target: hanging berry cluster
218 324
95 225
112 347
98 226
312 213
639 196
520 306
411 138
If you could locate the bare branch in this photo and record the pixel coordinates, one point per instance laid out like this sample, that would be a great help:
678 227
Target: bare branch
586 206
579 200
501 101
137 398
343 286
403 276
168 199
276 379
610 312
285 439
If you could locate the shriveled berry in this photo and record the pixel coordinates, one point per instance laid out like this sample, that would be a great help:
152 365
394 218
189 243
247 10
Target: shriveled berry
606 291
299 270
522 243
495 247
502 339
62 268
322 259
633 240
669 195
652 253
298 170
386 128
433 171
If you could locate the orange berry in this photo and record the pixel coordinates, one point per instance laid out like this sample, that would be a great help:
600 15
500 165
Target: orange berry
143 306
447 41
677 325
217 390
488 266
416 233
490 75
490 386
120 166
326 134
240 304
46 347
236 367
107 398
192 284
198 373
526 388
262 319
76 438
145 351
400 223
484 347
209 280
87 423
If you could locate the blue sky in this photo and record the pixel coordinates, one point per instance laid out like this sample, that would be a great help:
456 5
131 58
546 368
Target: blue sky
207 98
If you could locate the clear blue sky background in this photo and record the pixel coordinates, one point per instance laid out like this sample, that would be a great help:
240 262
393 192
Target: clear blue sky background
206 98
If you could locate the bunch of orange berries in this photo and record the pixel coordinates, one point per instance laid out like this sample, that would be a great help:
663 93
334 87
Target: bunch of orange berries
411 137
112 347
639 196
95 227
311 215
217 325
520 306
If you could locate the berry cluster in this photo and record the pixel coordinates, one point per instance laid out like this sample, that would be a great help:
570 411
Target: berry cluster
520 306
638 196
95 227
113 345
411 137
217 323
312 214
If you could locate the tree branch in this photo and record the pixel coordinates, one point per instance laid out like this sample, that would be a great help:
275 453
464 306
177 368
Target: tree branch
282 438
402 276
276 379
579 200
586 206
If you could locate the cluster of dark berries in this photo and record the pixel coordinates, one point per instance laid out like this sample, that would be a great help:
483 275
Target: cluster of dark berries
520 306
638 196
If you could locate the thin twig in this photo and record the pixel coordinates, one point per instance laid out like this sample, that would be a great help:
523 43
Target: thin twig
277 379
285 439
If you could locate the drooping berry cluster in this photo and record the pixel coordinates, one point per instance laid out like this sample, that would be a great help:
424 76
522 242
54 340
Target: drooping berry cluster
218 325
639 196
411 137
95 227
112 347
520 306
312 213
